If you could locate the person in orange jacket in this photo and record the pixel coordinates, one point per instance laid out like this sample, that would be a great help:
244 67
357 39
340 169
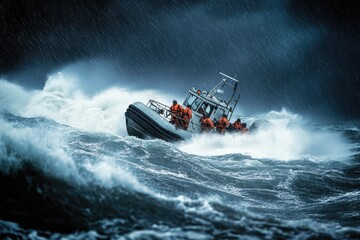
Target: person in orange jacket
176 111
237 125
222 124
186 116
206 124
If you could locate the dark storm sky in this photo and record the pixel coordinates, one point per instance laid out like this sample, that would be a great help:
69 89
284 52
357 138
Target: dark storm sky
304 55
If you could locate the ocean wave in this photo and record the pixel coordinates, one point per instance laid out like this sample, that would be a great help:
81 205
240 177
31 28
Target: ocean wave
36 146
74 173
63 101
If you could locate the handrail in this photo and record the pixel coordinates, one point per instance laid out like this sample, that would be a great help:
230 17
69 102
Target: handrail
160 108
164 111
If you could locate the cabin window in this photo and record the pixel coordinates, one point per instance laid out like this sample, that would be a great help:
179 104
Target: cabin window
196 104
190 99
218 114
206 108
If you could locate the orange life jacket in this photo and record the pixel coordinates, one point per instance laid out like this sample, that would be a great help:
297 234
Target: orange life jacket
237 125
206 124
187 113
176 109
222 123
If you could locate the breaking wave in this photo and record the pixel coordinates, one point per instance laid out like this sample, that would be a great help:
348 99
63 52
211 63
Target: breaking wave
63 101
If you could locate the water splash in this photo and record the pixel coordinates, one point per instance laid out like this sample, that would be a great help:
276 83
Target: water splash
63 100
288 138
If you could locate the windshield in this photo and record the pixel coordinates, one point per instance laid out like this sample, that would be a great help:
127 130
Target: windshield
206 108
189 99
218 114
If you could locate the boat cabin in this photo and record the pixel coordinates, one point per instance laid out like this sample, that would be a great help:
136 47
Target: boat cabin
213 103
203 102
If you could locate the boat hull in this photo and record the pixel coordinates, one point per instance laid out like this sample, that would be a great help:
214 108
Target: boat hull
145 123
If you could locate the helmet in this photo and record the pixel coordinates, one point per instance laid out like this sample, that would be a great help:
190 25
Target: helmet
189 106
174 102
238 120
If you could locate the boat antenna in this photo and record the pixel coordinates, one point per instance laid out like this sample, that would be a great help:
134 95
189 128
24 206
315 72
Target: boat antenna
233 84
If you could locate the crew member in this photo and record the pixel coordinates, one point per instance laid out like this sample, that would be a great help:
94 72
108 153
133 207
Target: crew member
198 91
176 111
222 124
202 110
206 124
186 116
237 125
244 129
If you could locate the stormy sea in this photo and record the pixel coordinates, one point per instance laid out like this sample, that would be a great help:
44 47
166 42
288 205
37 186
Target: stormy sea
70 171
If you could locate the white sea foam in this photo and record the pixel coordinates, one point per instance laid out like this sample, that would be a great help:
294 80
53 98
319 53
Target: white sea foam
48 152
287 139
111 175
13 98
40 147
63 100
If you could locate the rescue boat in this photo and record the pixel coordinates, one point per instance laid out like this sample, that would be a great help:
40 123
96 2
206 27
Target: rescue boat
153 119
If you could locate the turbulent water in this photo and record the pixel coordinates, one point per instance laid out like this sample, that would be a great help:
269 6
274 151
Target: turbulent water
69 170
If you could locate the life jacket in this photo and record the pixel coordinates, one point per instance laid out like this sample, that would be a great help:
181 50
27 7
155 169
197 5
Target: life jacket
222 123
206 123
237 125
187 113
176 109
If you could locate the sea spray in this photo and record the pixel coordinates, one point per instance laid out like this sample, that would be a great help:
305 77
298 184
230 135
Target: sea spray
288 137
63 101
13 97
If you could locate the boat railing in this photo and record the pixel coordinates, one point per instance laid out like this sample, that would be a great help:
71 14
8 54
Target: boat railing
165 112
160 108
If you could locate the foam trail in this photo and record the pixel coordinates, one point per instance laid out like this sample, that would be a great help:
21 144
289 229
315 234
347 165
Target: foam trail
287 139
